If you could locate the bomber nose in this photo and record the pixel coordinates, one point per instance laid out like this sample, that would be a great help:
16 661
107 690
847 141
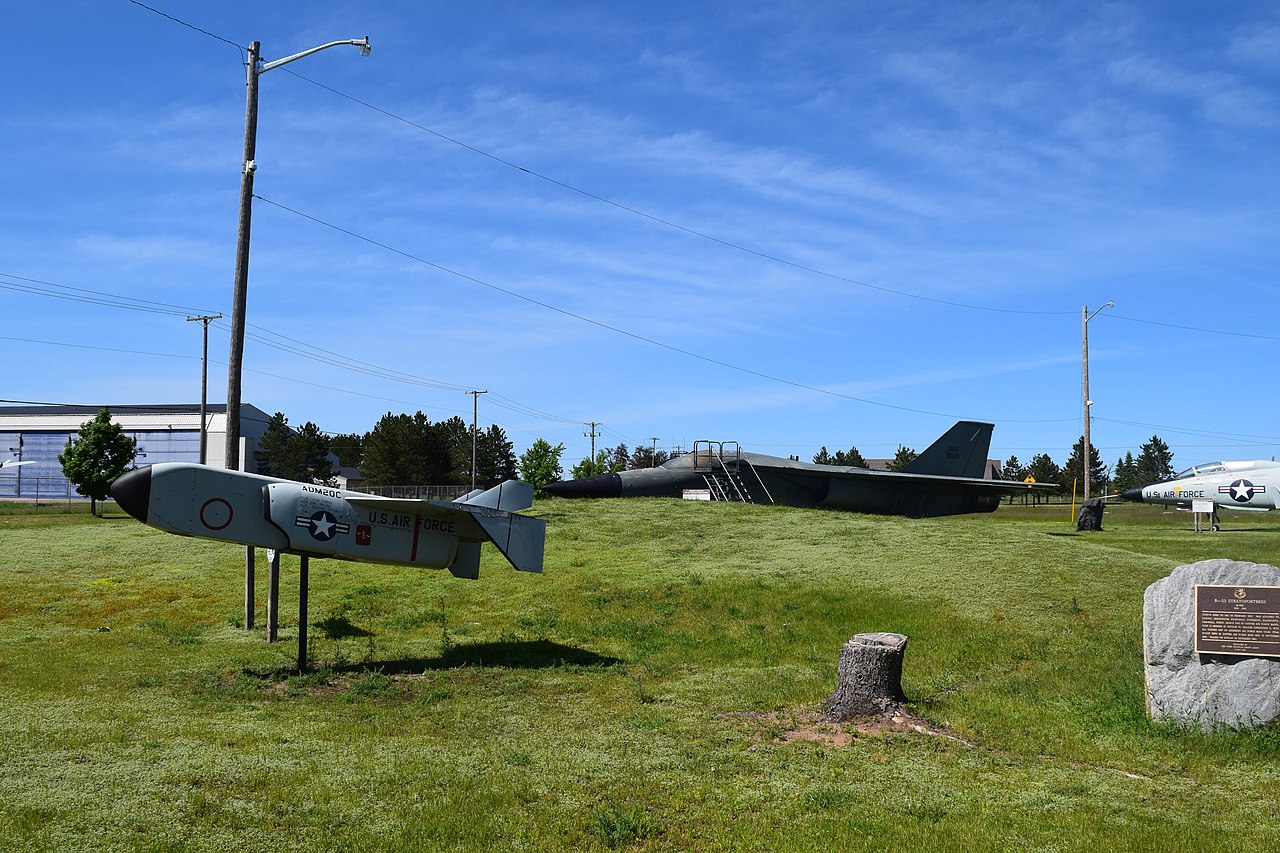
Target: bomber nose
132 491
1132 494
600 486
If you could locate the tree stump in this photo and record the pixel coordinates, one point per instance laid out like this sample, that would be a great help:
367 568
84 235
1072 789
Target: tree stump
869 677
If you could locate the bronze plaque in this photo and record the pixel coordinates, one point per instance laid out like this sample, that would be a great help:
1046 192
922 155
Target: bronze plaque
1238 620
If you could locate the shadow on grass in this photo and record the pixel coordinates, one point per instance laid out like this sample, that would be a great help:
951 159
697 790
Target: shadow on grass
516 654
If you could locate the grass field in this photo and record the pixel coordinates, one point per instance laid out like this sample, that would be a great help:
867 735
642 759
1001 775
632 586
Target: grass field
657 688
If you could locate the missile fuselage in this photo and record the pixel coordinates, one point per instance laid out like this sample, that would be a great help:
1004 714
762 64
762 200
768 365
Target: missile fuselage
320 521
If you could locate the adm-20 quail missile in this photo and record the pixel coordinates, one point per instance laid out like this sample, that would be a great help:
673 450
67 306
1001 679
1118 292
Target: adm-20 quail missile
319 521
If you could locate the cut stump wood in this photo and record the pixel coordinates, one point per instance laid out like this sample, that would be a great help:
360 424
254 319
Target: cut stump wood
869 677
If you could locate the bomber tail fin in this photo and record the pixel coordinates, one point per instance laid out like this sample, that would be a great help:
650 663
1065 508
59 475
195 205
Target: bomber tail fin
960 452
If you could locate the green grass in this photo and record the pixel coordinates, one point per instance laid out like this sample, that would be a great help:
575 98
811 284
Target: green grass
632 697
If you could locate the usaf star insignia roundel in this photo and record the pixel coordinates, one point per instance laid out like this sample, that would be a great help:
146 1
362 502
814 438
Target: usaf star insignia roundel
322 525
1241 491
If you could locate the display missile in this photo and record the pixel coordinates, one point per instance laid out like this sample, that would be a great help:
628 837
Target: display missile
320 521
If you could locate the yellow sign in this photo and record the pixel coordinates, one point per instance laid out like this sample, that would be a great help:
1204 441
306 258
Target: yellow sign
1029 479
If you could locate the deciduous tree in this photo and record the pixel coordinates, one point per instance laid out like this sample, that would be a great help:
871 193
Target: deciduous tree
540 464
99 454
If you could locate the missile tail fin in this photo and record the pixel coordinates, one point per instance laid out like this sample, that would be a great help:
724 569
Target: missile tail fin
467 563
510 496
521 539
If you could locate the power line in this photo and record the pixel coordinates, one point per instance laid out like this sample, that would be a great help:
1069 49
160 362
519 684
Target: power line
1113 316
729 244
187 25
616 330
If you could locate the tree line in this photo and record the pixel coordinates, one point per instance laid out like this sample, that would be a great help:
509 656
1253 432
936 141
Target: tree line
411 450
400 450
1153 463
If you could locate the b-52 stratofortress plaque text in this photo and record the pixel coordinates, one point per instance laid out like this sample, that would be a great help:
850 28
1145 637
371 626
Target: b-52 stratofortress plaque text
1238 620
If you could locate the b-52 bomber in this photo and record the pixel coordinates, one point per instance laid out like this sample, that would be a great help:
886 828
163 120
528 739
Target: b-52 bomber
946 479
319 521
1250 485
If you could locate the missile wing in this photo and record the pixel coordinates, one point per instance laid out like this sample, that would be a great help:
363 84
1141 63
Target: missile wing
319 521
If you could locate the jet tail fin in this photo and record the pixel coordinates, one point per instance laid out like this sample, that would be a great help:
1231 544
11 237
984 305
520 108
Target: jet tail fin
960 452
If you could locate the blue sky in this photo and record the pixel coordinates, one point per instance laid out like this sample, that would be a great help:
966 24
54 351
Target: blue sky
786 224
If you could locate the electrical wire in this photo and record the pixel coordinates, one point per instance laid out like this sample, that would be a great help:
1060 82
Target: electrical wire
615 329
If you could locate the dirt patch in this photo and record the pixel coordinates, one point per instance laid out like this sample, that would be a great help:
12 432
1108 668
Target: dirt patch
808 725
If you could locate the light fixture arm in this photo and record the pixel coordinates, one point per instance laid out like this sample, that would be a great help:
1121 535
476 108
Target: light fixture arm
363 44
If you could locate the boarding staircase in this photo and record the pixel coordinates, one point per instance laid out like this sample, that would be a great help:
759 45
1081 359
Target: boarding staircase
728 474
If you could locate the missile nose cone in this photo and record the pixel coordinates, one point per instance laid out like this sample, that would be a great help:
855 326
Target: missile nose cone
601 486
132 491
1132 494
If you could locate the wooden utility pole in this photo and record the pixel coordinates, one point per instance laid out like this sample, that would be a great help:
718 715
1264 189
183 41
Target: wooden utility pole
593 434
475 406
1085 451
204 385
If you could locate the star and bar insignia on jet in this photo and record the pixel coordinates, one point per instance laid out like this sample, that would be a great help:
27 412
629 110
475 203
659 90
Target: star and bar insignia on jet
1241 491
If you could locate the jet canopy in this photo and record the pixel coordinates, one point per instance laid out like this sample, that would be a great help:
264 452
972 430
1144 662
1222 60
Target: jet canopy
1209 468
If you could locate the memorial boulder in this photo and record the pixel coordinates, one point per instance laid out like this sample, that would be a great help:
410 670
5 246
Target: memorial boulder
1233 680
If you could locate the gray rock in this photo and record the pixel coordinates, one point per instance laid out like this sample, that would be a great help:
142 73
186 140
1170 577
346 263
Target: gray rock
1204 691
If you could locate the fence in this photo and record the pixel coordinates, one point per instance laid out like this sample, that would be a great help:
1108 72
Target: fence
441 493
38 490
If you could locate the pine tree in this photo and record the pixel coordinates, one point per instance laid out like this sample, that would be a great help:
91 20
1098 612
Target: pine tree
1154 462
1073 471
850 459
1043 469
1013 470
902 458
1125 474
495 457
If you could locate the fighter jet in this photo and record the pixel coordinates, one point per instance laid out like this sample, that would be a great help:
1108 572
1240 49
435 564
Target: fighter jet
946 479
1251 485
319 521
14 463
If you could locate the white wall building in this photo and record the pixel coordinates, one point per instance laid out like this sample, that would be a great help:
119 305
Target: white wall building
165 433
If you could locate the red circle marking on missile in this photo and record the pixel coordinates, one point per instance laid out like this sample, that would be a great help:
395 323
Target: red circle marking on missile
216 513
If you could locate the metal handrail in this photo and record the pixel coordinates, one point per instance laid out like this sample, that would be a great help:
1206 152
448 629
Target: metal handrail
765 488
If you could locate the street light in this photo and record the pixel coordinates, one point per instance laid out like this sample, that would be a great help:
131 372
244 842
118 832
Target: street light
240 291
255 69
1084 359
